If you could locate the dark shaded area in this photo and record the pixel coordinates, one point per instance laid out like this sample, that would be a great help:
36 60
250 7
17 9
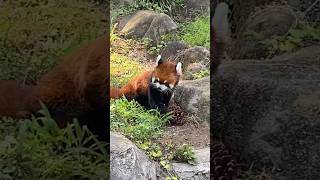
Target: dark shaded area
268 113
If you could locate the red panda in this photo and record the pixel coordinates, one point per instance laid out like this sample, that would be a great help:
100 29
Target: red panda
15 99
77 88
152 89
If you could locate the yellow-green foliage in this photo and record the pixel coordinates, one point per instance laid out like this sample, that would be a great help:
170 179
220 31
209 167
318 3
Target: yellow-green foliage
123 69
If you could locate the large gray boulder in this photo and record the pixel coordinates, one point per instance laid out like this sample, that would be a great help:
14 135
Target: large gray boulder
200 171
193 96
268 112
147 24
260 26
129 162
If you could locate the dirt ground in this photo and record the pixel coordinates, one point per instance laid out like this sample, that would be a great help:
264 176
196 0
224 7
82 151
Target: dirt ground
192 133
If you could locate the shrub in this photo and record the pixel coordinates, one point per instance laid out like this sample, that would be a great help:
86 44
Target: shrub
39 149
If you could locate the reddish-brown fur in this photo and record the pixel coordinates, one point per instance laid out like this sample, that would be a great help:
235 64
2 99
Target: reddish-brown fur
139 85
15 99
76 88
79 74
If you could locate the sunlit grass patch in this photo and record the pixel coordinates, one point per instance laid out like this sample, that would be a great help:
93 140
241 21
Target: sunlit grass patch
123 69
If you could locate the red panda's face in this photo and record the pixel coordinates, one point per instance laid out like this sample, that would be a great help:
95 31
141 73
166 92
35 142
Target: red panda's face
166 75
163 82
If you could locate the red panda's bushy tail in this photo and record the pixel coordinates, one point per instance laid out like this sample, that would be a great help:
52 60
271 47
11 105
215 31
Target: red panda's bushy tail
115 93
220 34
16 99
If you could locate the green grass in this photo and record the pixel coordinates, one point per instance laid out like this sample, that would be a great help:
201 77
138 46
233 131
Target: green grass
197 32
29 150
35 34
300 36
135 122
123 69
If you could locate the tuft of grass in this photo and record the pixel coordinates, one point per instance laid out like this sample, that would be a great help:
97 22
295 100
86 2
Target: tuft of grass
135 122
35 34
185 153
39 149
197 32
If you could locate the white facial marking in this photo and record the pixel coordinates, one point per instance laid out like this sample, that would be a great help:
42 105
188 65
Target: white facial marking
163 87
158 79
164 81
179 68
153 79
171 86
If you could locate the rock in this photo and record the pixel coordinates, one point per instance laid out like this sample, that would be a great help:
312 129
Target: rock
129 162
192 69
147 24
196 54
268 112
260 26
200 171
193 96
172 49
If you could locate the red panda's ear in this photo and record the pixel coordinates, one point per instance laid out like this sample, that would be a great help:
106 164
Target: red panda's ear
179 68
159 60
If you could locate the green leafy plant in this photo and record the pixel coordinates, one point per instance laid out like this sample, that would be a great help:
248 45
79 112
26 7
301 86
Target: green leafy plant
39 149
185 153
201 74
197 32
302 35
137 123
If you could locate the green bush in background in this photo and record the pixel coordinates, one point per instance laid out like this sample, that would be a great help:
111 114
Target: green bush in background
197 32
